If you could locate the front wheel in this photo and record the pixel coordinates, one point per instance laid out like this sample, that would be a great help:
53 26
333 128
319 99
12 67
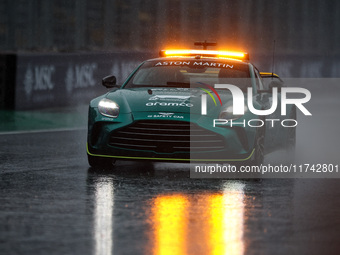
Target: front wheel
258 156
290 142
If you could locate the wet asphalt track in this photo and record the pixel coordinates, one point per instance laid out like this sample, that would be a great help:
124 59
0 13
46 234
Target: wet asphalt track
53 203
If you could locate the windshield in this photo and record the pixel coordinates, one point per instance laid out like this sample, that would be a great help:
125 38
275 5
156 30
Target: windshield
182 73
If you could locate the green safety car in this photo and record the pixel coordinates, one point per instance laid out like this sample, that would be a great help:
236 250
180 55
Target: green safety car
171 109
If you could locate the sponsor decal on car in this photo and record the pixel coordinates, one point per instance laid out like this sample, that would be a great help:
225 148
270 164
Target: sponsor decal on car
167 115
177 104
194 63
170 97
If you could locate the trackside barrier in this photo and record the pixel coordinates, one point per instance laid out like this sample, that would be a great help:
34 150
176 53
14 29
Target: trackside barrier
7 80
37 81
300 66
68 79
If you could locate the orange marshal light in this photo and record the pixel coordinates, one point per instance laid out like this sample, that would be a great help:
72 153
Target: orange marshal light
211 53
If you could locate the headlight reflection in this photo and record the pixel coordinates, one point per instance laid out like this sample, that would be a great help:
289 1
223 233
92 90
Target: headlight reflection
200 223
103 221
169 215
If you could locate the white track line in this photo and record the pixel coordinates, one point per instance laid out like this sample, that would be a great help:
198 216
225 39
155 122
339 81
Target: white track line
40 131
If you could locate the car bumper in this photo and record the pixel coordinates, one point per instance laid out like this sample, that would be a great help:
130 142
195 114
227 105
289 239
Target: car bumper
151 137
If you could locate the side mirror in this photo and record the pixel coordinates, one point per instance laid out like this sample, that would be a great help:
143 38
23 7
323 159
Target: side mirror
260 91
109 81
271 85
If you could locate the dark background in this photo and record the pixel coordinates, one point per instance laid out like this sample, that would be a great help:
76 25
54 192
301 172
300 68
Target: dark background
45 43
299 27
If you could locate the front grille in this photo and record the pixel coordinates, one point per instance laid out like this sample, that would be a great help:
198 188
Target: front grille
162 136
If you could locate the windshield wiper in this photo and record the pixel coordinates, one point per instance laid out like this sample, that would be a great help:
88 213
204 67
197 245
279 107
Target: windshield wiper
170 84
178 84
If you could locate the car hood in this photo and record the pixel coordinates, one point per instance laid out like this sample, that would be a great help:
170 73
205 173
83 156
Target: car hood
176 100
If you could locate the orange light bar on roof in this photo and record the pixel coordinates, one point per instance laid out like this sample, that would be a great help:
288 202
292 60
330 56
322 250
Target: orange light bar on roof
211 53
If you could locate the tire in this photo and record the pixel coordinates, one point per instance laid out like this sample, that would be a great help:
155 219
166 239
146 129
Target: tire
290 142
100 162
258 157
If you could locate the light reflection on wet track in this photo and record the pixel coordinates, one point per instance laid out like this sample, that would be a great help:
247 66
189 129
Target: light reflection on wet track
216 220
141 210
53 203
103 216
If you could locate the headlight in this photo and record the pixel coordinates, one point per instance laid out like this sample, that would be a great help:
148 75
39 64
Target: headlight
227 113
108 108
